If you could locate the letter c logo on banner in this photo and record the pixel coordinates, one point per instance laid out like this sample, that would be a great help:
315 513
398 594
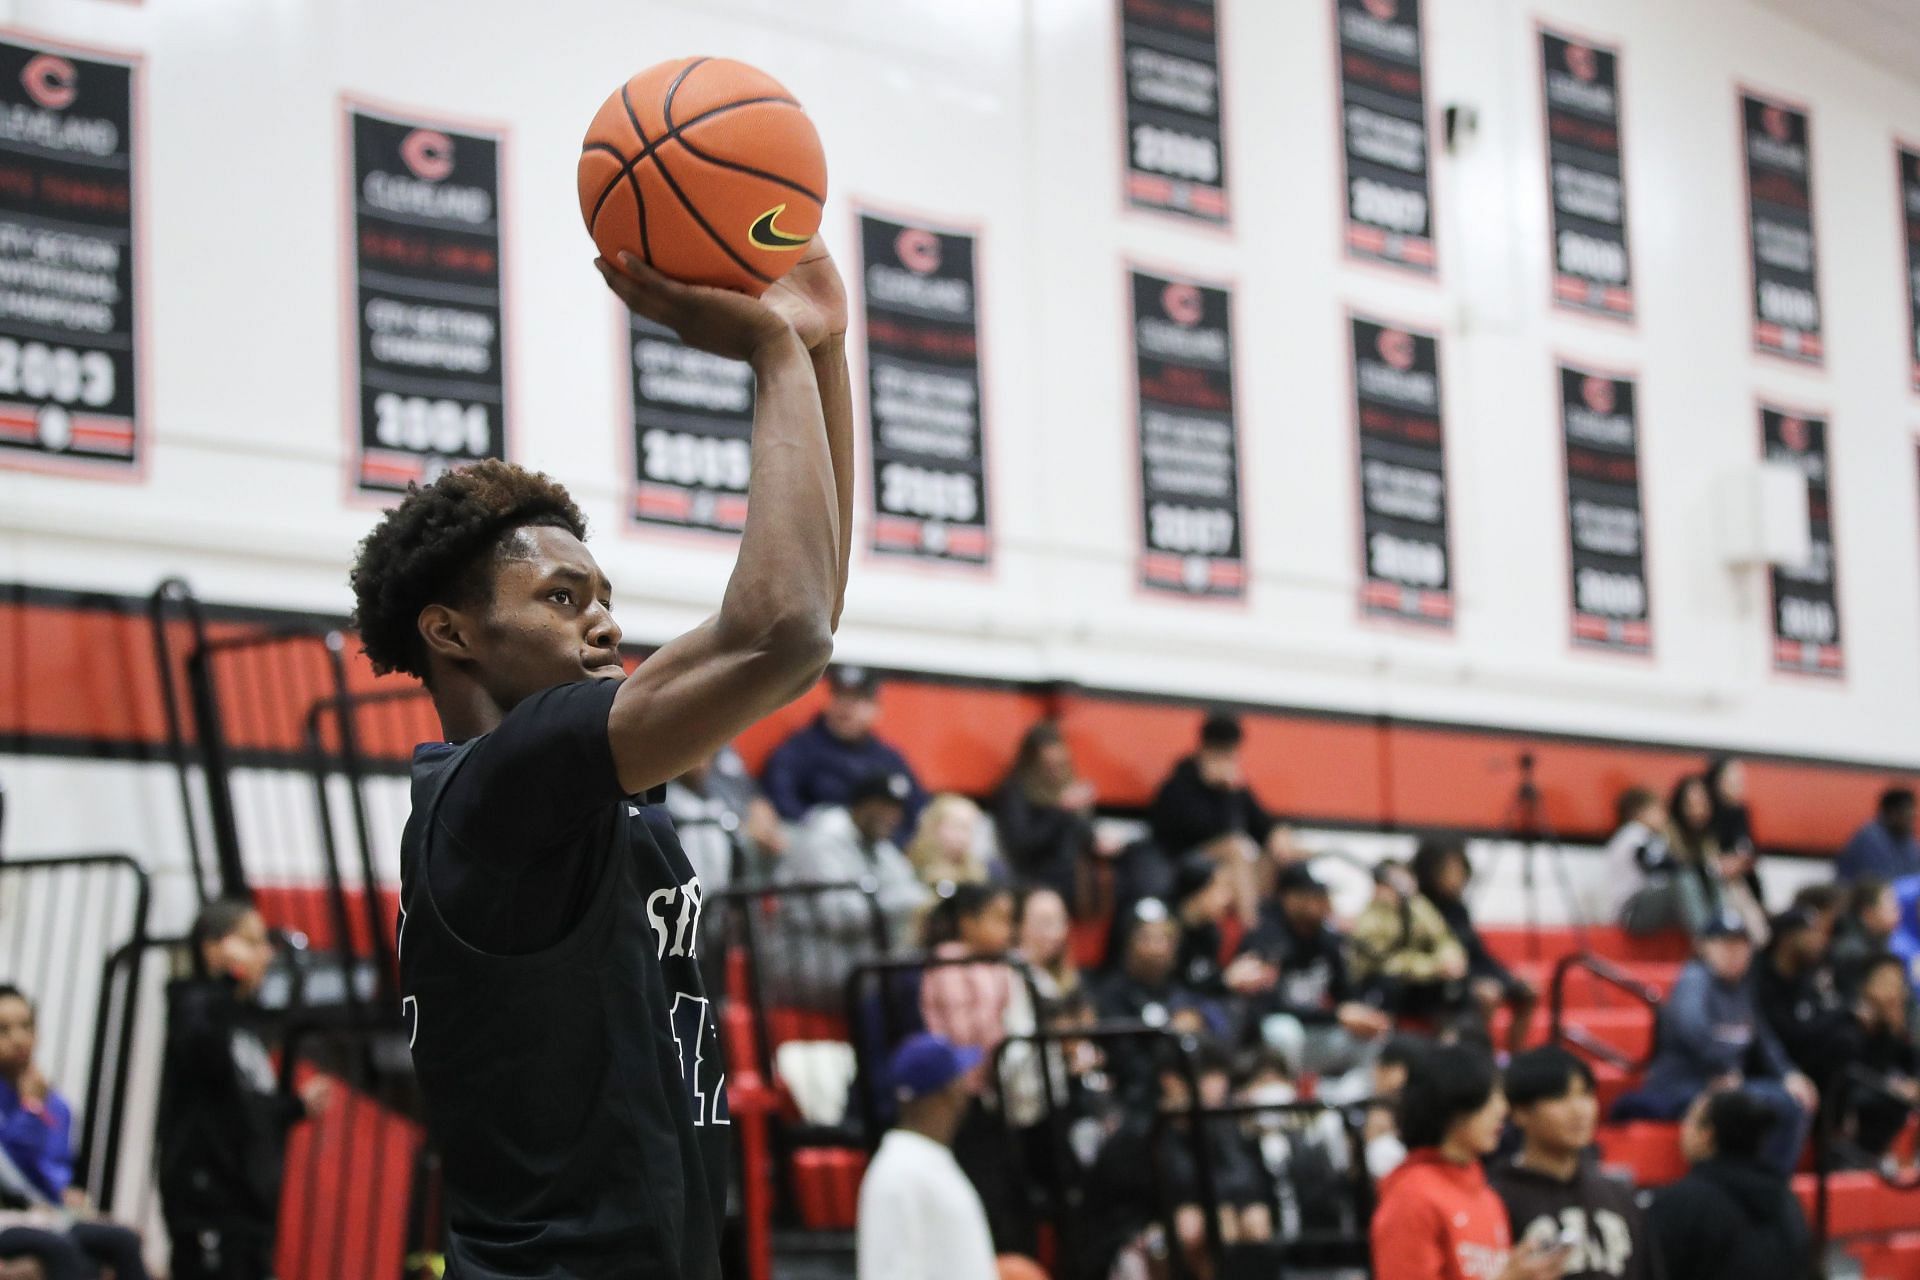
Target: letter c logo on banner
919 250
1598 393
1182 304
1774 121
1582 62
1396 348
1385 10
50 81
429 153
1794 434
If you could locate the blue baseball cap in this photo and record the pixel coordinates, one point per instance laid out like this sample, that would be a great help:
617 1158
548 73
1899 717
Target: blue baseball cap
924 1064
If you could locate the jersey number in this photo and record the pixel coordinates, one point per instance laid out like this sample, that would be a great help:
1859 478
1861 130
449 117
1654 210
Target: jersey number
689 1035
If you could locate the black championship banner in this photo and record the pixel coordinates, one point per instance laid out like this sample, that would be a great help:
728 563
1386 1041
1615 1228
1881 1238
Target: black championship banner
429 349
69 334
1189 448
1786 287
1403 475
1806 598
1586 179
692 432
1606 526
1170 67
1383 112
923 393
1910 219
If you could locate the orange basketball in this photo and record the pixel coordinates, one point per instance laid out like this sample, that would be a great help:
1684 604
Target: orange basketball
706 169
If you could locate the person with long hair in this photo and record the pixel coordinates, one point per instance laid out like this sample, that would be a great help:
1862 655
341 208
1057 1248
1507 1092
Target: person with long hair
1043 813
1739 862
1442 870
1709 895
1042 937
946 843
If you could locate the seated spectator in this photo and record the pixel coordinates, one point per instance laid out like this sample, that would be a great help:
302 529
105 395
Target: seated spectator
1403 954
822 762
820 941
1441 869
726 827
966 1004
1863 932
1205 805
1732 826
1716 880
1552 1190
1795 992
1305 1154
1202 902
946 843
1385 1151
1879 1038
222 1120
1313 1013
1734 1216
1043 938
1884 848
1438 1219
1146 989
1650 892
1043 813
919 1216
57 1229
1711 1035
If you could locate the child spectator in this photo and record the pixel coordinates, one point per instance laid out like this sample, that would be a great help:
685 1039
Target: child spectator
1313 1014
1043 813
825 760
946 843
1441 869
1864 931
1651 892
1733 1217
1438 1219
1552 1190
1205 805
966 1004
1711 1035
1043 938
1883 848
222 1120
1145 989
1402 952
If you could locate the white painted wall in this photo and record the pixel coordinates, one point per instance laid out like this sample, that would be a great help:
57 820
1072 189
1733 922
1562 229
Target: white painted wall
1002 113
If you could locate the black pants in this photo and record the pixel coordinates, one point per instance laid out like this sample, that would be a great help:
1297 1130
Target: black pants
206 1249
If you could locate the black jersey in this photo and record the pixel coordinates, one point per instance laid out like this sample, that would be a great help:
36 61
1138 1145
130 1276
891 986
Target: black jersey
571 1071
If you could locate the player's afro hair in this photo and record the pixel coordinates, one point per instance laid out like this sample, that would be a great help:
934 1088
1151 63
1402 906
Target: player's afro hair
430 548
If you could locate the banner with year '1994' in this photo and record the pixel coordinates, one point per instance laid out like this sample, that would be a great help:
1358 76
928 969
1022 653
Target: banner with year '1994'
1189 446
429 343
928 435
1408 574
69 314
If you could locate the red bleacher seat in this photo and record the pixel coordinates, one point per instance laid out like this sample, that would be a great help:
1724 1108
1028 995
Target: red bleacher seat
826 1181
1647 1150
1861 1203
1895 1258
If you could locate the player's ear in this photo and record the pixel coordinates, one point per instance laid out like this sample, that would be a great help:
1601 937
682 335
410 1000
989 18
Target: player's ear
446 632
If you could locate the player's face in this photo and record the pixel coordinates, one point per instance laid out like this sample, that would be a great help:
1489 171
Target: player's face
551 619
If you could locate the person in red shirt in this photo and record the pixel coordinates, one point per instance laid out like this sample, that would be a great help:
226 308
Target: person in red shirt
1438 1219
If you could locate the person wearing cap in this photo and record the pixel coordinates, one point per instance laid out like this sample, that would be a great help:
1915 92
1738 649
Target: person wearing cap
919 1217
820 939
1313 1012
1711 1035
1205 804
823 760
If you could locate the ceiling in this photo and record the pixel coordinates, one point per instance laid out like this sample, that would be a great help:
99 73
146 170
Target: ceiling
1884 31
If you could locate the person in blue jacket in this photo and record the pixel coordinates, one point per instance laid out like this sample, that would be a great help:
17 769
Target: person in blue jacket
822 761
1884 847
1711 1036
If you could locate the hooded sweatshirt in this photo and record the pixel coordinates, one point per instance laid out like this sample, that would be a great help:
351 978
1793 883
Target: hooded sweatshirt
1600 1212
1731 1220
1439 1220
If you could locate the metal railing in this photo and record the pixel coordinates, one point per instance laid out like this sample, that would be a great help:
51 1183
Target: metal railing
1837 1102
1610 976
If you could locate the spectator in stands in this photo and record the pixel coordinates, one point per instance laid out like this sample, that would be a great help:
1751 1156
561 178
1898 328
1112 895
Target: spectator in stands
819 943
1146 989
1441 869
1305 1154
1205 804
1795 992
725 825
919 1216
1732 827
1402 952
1313 1014
966 1004
1202 903
1733 1217
1438 1219
946 843
1711 1035
1043 938
1865 930
1718 878
1880 1040
1650 893
1552 1190
1043 814
223 1121
1884 848
54 1224
822 762
1385 1151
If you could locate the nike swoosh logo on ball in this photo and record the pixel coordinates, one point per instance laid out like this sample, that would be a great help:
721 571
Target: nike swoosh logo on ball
767 236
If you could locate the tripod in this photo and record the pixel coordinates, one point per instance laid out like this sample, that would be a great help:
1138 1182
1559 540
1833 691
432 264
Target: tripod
1525 822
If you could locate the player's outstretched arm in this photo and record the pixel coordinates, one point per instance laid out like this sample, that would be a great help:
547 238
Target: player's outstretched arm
773 635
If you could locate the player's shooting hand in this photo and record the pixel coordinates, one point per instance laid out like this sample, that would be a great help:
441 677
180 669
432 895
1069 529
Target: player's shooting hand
812 297
719 321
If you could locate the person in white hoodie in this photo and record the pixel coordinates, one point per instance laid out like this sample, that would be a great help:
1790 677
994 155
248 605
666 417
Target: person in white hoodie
920 1219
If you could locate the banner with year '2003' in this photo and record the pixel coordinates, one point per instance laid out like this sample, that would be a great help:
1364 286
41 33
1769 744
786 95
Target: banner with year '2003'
429 343
69 315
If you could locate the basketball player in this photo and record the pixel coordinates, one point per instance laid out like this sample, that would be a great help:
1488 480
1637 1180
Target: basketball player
565 1048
